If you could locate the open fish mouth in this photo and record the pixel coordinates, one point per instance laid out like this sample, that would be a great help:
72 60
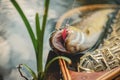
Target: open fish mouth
67 40
57 42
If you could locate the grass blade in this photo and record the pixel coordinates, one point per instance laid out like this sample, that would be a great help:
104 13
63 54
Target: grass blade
46 6
56 58
30 71
39 54
38 30
26 22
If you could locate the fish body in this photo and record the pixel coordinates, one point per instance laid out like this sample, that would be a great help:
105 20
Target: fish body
108 56
82 36
87 31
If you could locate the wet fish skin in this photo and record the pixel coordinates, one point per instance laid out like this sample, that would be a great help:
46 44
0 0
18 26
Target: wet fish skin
89 30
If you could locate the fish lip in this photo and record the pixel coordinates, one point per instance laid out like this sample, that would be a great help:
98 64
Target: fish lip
57 43
56 46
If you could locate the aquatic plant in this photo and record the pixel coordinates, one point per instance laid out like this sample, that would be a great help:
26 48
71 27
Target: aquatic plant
37 42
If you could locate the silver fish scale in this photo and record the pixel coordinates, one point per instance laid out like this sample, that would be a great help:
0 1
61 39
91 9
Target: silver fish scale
108 56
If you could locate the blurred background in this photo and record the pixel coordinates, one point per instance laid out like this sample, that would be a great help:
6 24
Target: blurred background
15 43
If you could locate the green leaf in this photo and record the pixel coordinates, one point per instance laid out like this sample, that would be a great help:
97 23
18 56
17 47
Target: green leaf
56 58
39 54
26 22
46 6
41 40
37 43
30 71
51 61
38 30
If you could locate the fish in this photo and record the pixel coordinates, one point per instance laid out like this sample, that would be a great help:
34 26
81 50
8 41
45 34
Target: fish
82 36
108 56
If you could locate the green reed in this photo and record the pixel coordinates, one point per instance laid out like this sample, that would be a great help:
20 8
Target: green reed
37 41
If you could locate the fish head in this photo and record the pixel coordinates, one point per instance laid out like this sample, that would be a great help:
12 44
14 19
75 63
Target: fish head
67 40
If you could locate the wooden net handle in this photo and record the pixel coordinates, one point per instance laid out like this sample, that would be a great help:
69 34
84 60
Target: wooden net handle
64 69
110 75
